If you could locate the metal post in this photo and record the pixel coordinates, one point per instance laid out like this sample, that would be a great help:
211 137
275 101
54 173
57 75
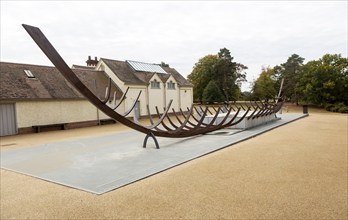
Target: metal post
153 137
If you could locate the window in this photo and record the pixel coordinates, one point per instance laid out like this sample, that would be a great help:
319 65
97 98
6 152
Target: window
171 85
155 84
29 74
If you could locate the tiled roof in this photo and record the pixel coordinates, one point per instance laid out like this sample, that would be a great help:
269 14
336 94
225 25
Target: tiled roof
130 76
164 77
47 84
123 71
74 66
178 77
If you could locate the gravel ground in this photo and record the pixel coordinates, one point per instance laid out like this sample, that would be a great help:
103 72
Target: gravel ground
297 171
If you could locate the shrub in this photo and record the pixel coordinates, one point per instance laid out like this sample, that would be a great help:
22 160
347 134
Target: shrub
343 109
212 93
328 106
337 107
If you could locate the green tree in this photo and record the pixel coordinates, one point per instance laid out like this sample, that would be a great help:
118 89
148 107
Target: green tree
290 72
265 85
203 72
212 93
221 69
163 64
229 74
324 81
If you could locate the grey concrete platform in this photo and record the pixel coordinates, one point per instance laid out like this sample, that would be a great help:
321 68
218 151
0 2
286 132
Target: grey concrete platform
104 163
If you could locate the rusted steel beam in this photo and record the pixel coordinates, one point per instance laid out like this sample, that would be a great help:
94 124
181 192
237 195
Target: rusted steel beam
235 103
108 91
162 121
179 120
122 99
171 122
252 114
132 107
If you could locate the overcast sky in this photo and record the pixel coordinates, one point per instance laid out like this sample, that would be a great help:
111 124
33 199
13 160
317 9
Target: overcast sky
258 33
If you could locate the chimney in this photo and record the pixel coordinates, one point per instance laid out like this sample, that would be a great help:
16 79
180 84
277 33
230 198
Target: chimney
91 62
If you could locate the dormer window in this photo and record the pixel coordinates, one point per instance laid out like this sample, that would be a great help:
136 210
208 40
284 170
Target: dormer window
155 84
29 74
171 85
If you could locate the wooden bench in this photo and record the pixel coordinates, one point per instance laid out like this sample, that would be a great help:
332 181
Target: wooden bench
37 128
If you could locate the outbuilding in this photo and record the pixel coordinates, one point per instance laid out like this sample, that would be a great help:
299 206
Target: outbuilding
35 98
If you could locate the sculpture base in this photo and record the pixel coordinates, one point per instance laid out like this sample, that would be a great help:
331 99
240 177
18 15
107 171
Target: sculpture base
245 123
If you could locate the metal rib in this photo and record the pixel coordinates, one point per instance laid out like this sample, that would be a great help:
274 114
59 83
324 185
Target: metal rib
230 106
245 114
149 114
198 112
197 120
171 122
132 107
162 122
122 99
108 90
254 107
239 105
178 119
162 117
190 115
252 114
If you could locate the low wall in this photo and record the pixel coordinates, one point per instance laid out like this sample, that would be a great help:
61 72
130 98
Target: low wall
31 113
245 123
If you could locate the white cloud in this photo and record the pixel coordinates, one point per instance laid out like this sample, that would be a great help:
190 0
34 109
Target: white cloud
256 32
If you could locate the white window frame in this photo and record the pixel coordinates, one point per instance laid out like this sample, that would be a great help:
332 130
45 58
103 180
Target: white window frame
171 85
29 74
155 84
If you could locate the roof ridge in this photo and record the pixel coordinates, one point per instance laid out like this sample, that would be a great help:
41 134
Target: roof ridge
26 64
143 62
103 58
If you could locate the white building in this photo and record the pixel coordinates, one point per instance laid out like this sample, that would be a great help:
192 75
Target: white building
158 84
33 96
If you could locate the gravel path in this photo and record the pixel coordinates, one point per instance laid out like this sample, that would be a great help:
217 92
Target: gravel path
297 171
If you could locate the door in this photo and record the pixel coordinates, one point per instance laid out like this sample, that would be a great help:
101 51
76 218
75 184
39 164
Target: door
8 124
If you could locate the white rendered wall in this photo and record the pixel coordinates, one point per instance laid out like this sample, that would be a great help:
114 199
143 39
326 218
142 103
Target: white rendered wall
132 92
173 94
186 97
31 113
132 95
112 75
156 96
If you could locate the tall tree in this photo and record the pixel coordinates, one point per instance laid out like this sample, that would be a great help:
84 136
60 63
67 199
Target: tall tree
222 70
229 74
212 93
203 72
289 71
265 85
163 64
324 81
